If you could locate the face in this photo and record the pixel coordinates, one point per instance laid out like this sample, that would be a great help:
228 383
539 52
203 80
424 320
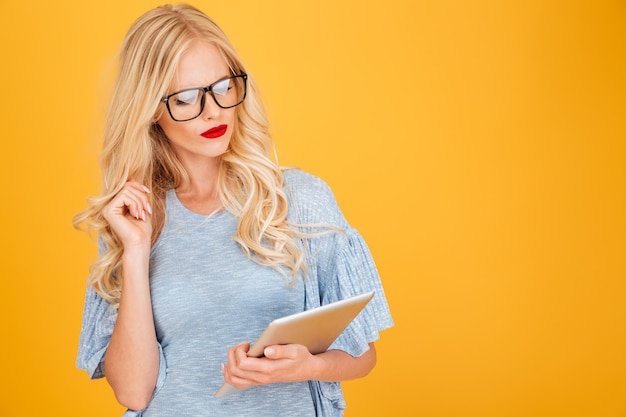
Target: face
207 136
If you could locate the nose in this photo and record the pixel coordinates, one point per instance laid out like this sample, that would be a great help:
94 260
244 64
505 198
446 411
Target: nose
211 109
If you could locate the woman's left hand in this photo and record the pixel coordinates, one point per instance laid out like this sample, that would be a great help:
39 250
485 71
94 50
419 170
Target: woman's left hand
281 363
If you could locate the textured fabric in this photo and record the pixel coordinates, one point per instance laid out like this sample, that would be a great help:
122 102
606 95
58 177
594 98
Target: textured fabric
208 296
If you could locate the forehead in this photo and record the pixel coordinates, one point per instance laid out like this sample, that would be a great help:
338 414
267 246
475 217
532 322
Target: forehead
202 64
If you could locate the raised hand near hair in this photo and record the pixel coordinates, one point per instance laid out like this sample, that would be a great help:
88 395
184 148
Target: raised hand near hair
128 214
132 358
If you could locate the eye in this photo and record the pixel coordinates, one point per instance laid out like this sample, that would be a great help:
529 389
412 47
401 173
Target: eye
221 87
185 98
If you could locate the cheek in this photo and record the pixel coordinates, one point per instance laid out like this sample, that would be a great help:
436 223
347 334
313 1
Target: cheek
231 118
161 120
169 127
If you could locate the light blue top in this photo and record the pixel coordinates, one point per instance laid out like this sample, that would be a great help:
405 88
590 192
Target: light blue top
208 296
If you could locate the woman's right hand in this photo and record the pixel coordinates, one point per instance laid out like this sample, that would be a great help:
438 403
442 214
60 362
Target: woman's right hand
132 358
128 214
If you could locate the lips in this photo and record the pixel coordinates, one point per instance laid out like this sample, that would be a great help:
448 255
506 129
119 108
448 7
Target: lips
215 132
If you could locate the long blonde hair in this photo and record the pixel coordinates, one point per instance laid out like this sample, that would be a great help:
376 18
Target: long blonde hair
249 182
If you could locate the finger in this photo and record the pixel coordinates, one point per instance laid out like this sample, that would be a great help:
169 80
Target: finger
138 186
238 382
291 351
242 367
141 191
134 200
238 354
241 354
233 357
239 377
131 203
237 371
235 380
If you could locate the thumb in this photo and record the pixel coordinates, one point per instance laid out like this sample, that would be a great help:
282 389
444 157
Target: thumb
289 351
275 351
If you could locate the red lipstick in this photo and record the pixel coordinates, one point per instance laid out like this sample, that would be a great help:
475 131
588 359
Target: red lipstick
215 132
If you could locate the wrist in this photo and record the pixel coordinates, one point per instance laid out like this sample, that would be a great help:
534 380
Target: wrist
136 251
135 260
318 367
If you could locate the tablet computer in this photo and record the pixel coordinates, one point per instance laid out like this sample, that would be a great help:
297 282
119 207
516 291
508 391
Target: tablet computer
316 329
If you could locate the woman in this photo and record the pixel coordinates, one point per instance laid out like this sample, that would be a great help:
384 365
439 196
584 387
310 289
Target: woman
203 240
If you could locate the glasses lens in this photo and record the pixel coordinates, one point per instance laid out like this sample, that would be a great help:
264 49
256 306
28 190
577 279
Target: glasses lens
229 92
186 104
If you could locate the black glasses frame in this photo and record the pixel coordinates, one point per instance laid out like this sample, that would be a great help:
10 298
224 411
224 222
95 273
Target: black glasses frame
206 90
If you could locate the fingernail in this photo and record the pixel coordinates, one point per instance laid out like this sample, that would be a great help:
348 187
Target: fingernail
269 351
143 215
146 189
149 208
223 367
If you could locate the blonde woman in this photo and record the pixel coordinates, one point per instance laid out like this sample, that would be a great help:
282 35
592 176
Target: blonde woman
203 240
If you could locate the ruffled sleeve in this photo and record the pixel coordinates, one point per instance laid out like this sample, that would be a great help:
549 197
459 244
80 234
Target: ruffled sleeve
340 266
340 263
99 318
97 327
353 272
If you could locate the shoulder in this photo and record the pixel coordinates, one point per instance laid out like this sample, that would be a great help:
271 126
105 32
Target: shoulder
311 199
301 182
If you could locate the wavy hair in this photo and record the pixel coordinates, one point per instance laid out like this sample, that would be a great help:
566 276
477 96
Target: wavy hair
249 182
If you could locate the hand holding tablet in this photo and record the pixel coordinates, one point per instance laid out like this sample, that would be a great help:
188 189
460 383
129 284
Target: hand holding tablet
316 329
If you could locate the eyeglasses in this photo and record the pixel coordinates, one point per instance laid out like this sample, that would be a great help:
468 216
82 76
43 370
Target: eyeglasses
188 104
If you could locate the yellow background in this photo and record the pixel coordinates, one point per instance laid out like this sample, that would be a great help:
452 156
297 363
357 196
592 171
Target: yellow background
479 146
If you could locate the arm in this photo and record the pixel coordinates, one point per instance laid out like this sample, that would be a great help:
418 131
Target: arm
343 261
132 358
338 365
289 363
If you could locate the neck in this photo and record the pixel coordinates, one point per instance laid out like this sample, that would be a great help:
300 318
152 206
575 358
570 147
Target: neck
199 193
